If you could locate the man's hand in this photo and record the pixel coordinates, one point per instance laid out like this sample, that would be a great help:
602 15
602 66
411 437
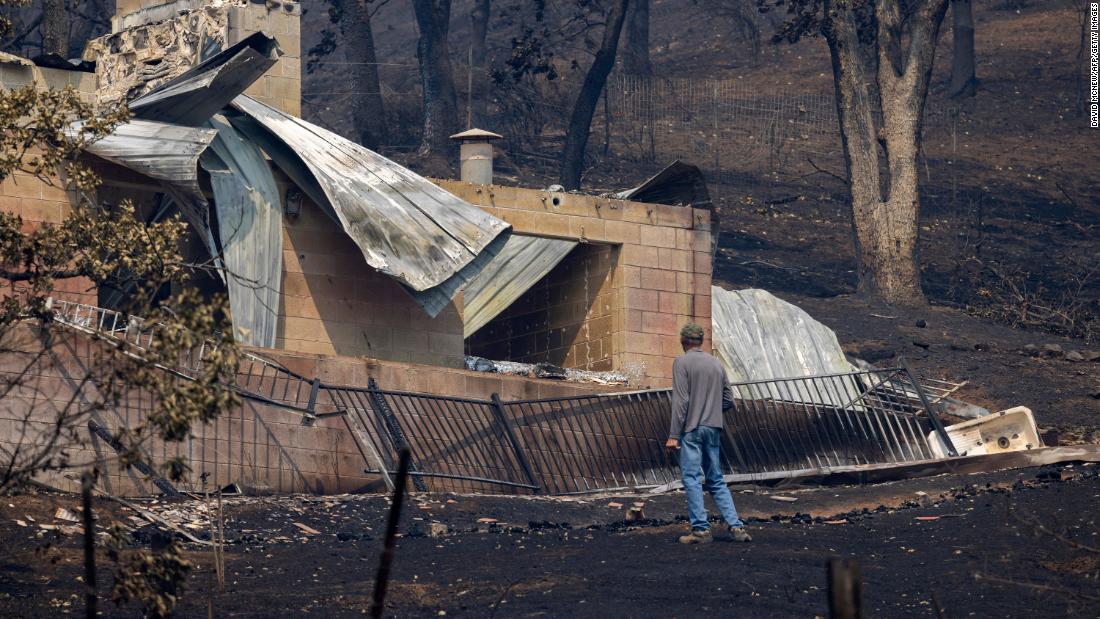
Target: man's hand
672 444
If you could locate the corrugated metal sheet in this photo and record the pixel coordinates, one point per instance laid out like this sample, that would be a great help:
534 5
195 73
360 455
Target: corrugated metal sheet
166 153
250 227
678 183
520 264
406 226
760 337
209 86
284 157
434 299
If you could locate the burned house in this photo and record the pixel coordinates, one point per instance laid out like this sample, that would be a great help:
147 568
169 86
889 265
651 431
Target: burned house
343 265
350 247
361 289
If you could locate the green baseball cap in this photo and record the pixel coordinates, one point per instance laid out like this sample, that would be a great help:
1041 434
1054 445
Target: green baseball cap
691 331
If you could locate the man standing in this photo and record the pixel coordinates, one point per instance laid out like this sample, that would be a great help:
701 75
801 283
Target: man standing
700 392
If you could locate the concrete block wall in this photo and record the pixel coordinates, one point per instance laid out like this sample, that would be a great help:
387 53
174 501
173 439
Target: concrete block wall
662 275
259 446
262 447
566 319
334 303
454 382
281 86
16 75
40 203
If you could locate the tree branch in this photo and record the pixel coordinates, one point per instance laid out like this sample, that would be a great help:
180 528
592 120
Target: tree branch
23 276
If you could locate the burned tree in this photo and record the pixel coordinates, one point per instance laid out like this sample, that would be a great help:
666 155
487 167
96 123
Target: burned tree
964 81
576 137
882 60
479 56
436 76
367 109
55 28
353 19
636 60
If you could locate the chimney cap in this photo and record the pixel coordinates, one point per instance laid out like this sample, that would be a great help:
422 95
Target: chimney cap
476 135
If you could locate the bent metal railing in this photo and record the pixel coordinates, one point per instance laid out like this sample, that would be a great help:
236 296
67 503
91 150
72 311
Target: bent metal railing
602 442
257 378
582 444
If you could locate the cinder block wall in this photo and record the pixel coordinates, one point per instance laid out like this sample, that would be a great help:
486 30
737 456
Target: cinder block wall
281 86
565 319
334 303
660 280
41 203
261 447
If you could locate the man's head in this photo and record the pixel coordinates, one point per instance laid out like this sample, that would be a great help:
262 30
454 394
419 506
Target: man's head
691 336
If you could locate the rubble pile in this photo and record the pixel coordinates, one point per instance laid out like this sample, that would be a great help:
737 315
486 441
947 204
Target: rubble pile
630 374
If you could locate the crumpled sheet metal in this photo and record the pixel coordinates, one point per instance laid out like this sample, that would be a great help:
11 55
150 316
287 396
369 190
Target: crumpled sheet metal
206 88
250 228
678 183
434 299
161 151
520 264
758 336
166 153
406 226
138 59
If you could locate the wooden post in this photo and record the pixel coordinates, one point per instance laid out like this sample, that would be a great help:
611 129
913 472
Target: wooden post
845 589
86 482
383 577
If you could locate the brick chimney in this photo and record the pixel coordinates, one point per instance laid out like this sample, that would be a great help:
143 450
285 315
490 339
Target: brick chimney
153 41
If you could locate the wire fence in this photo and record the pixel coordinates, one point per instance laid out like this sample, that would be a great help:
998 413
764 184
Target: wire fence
762 142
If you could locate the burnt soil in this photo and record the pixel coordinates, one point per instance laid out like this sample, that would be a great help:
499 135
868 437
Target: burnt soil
1001 544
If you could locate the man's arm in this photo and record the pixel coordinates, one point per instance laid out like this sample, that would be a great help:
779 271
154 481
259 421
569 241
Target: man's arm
680 391
727 392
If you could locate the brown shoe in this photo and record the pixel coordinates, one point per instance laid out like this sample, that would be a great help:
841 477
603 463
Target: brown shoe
740 535
697 537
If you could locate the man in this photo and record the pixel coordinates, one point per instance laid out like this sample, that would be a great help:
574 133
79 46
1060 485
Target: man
700 392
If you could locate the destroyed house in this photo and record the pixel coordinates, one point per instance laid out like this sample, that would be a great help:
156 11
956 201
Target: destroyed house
343 265
356 256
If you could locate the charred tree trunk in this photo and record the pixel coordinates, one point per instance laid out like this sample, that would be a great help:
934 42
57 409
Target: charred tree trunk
436 77
580 122
636 59
885 198
964 82
368 111
479 26
55 28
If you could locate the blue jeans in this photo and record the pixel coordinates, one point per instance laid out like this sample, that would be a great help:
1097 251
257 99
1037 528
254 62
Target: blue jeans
699 459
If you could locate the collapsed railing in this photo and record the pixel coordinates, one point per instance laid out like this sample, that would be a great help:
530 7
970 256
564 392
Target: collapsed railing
588 443
257 378
613 441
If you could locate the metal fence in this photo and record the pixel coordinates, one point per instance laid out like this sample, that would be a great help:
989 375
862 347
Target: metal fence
257 378
615 441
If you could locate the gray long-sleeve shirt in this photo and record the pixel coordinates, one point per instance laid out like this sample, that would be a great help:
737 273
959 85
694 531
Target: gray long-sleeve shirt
700 391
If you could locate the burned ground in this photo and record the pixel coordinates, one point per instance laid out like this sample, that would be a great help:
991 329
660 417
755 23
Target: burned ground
999 544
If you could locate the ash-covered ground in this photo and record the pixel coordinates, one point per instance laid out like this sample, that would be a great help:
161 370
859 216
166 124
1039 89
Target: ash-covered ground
1013 543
